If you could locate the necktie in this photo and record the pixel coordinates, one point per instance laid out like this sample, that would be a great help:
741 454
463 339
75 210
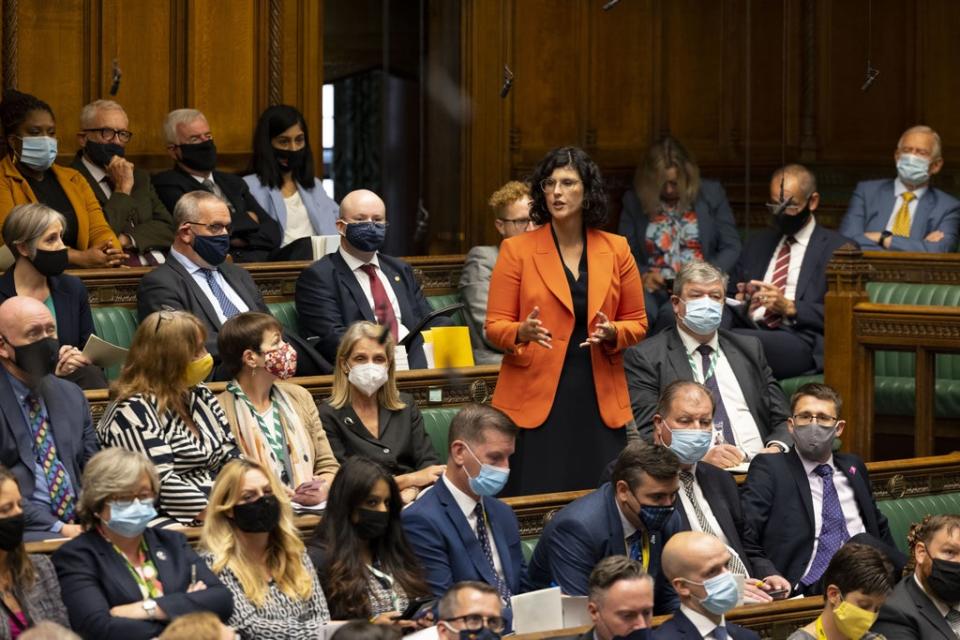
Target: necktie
720 412
635 546
212 187
833 526
108 183
901 223
720 633
502 587
686 479
953 619
62 495
780 270
227 307
382 308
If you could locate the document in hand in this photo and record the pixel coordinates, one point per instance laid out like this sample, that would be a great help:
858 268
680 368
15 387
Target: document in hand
103 353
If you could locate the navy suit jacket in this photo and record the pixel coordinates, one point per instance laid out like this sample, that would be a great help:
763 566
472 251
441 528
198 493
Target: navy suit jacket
71 302
872 204
811 283
719 239
909 614
586 531
778 508
72 426
679 628
329 299
94 578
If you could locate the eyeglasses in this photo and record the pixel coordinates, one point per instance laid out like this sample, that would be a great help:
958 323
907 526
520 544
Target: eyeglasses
822 419
215 228
549 184
476 622
792 209
126 501
519 223
106 133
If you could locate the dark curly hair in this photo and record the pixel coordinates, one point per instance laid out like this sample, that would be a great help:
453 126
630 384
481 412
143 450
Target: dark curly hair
15 107
924 531
274 121
594 195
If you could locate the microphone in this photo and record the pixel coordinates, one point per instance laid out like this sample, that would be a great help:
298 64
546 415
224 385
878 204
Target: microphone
872 74
117 74
610 5
507 80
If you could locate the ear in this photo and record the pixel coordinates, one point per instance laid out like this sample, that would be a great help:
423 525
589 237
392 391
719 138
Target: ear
833 592
676 302
840 426
249 358
458 450
814 201
919 553
593 610
936 166
680 586
658 429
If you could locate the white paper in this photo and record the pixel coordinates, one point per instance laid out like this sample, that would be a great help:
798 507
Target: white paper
400 362
537 611
575 613
323 245
428 352
733 302
103 353
743 467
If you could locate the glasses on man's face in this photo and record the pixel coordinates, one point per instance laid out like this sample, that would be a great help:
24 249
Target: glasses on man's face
108 134
214 228
791 209
549 184
476 622
822 419
519 224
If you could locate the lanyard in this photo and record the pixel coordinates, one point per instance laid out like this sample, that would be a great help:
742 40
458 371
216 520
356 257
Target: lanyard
146 574
821 634
646 551
387 583
277 438
698 369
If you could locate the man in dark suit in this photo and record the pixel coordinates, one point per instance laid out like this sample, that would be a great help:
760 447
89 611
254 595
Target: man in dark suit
360 283
751 408
254 235
472 607
47 433
633 514
906 214
800 507
781 277
620 600
925 605
695 564
130 204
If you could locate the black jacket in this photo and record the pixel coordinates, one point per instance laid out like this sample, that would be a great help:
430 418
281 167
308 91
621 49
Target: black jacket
71 301
909 614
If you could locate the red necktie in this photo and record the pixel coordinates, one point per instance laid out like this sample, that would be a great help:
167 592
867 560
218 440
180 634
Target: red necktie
780 270
382 309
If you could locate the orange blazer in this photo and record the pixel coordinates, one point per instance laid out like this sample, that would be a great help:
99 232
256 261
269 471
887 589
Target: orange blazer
529 273
92 227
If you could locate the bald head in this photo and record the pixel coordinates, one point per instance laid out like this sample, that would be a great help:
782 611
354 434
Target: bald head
18 311
688 554
361 205
799 182
24 321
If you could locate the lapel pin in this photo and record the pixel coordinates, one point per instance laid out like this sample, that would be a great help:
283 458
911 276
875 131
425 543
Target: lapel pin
853 471
161 555
348 420
396 278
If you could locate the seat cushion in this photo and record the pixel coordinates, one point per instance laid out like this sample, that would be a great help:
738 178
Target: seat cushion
903 512
527 545
790 385
438 302
436 421
117 326
286 313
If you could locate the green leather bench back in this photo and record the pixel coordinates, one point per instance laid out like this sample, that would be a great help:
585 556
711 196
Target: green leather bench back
527 545
115 325
436 421
438 302
903 512
286 313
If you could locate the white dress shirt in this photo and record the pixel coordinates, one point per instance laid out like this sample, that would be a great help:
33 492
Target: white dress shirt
898 190
298 221
797 251
704 507
194 270
628 528
364 280
99 176
467 504
705 626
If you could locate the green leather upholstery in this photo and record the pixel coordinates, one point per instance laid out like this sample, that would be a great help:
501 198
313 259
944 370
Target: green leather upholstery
438 302
903 512
790 385
527 545
286 313
115 325
436 421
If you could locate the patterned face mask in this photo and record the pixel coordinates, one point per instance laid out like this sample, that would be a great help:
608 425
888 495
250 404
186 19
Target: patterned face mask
281 362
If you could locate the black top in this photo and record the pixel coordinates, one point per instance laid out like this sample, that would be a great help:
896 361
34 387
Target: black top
50 193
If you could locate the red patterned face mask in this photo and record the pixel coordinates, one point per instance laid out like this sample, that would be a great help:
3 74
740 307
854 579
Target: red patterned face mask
282 362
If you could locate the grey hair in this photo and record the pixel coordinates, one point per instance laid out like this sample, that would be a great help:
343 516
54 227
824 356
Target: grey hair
89 112
188 206
48 630
698 272
179 116
922 128
108 473
26 224
806 181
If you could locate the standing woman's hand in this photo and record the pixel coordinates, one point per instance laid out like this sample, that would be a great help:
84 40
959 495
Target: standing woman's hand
532 330
603 331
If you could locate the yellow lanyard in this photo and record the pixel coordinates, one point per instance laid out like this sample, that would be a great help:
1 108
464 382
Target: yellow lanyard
646 552
821 634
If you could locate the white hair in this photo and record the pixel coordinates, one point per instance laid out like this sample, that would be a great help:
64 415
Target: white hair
178 116
922 128
89 113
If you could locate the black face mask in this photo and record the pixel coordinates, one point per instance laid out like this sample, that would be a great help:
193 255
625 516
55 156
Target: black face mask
201 156
101 153
259 516
372 524
789 225
944 580
38 358
290 160
50 263
11 532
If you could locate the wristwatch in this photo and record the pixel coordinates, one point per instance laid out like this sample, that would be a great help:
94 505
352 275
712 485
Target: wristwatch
150 606
884 235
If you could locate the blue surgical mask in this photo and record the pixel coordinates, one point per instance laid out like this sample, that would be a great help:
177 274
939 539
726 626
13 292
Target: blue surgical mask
213 249
366 236
723 593
490 481
703 315
129 519
38 152
654 517
690 445
913 170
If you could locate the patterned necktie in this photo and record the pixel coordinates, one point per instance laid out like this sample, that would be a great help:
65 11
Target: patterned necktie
780 271
382 308
686 479
833 526
227 307
719 412
635 546
901 223
501 585
62 496
953 619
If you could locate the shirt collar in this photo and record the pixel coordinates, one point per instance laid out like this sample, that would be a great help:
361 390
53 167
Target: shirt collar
802 237
899 189
466 503
96 171
20 388
703 624
628 528
188 264
355 263
201 179
691 344
809 465
937 602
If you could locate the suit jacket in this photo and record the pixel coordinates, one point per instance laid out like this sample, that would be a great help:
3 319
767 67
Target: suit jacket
260 238
72 427
70 300
94 578
42 600
321 209
92 227
329 299
778 509
719 239
655 363
679 627
811 283
909 614
873 202
529 273
474 287
141 215
586 531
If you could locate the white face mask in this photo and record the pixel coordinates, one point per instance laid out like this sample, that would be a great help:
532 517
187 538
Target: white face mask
368 377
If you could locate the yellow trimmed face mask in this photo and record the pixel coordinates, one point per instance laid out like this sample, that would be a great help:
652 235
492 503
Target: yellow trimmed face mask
198 370
852 621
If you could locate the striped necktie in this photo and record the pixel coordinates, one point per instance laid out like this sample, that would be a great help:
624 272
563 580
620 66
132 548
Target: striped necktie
735 565
780 270
227 307
953 619
484 539
62 495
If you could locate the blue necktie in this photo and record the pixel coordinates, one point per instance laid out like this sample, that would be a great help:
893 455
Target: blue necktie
720 412
833 527
636 546
720 633
225 305
501 585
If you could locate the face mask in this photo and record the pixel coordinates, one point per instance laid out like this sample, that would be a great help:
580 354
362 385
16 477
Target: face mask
703 315
38 152
490 481
913 170
213 249
366 236
636 634
50 263
368 377
852 621
466 634
38 358
201 156
198 370
789 225
101 153
655 517
281 363
813 441
690 445
723 593
372 524
290 160
130 519
260 516
11 532
944 580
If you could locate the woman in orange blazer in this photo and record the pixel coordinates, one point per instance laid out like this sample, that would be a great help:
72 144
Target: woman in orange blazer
27 175
565 301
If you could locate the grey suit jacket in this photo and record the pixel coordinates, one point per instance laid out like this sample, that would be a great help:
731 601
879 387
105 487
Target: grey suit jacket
655 363
42 601
474 290
909 614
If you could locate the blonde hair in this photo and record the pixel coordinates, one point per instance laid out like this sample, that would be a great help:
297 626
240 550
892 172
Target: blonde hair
507 195
108 473
199 625
284 548
164 344
652 175
388 396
